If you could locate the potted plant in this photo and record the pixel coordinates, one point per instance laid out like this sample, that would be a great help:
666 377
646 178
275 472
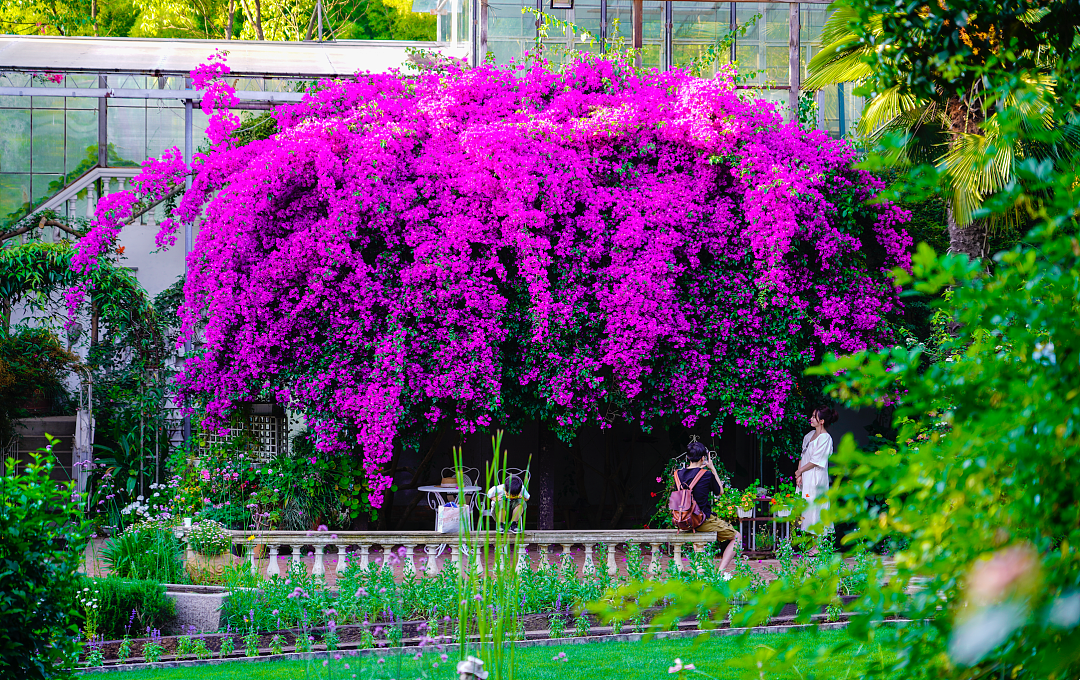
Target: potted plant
726 505
746 503
209 549
784 499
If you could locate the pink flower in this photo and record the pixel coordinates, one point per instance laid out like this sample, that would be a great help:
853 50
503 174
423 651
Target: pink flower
465 236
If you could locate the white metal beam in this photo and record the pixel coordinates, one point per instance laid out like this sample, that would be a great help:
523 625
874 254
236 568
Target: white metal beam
131 93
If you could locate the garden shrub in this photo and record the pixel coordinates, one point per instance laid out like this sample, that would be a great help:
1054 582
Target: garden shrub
42 538
118 597
33 364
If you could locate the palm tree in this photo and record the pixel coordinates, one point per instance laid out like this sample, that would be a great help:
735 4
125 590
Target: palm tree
951 131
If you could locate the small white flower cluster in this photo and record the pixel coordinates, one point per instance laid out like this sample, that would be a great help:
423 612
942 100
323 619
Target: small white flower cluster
210 538
88 599
137 508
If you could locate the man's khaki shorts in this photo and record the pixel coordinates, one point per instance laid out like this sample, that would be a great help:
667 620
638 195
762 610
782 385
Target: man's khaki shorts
724 531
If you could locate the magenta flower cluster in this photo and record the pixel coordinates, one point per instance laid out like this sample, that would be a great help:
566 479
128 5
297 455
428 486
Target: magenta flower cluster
503 242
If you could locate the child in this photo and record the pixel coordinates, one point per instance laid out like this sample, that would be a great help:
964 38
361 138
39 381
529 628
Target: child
513 495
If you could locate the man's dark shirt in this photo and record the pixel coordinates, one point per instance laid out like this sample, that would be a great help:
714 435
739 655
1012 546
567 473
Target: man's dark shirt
706 485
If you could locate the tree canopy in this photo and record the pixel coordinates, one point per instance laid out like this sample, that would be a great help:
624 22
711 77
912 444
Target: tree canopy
492 243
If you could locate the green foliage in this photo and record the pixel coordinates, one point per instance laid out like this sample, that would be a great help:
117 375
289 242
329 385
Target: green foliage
149 553
33 363
128 607
928 91
386 20
152 651
977 484
56 17
37 274
42 537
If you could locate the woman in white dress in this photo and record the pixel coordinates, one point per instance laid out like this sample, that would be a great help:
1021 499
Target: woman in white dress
812 476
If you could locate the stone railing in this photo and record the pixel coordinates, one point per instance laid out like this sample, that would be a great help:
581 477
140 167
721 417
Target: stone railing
549 548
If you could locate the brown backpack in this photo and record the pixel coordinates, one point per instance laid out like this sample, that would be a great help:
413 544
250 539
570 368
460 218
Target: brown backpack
685 513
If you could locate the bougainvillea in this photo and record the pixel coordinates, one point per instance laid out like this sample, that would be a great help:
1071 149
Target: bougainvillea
577 244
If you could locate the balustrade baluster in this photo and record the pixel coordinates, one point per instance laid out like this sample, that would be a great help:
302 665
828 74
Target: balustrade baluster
272 569
91 204
588 568
522 557
654 562
478 558
542 563
387 557
70 209
296 557
249 553
319 569
342 560
432 566
408 567
455 558
566 560
364 556
677 556
612 565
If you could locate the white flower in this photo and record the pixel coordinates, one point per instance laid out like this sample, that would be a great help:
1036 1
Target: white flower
678 667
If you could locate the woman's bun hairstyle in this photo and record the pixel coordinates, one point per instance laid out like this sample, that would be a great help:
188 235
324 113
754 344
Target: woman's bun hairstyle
826 415
695 451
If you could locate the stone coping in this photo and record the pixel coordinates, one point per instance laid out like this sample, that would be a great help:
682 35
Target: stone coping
392 538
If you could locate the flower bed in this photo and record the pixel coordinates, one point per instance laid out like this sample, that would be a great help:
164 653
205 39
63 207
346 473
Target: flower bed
368 608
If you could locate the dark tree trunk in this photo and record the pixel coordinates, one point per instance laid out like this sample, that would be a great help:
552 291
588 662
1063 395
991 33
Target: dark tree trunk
969 239
258 19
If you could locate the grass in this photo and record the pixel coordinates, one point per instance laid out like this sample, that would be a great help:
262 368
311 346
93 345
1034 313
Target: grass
618 660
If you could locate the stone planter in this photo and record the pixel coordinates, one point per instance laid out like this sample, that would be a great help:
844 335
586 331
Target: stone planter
745 514
201 567
785 512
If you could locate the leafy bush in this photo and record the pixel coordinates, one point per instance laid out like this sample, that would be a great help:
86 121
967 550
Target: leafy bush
209 538
43 537
145 552
33 364
128 606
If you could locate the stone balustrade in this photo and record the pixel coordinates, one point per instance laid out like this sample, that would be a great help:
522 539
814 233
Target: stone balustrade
421 549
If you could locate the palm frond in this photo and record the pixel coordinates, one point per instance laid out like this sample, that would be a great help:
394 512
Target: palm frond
841 66
886 107
976 167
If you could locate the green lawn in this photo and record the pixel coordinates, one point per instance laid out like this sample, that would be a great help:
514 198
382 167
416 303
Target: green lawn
618 660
